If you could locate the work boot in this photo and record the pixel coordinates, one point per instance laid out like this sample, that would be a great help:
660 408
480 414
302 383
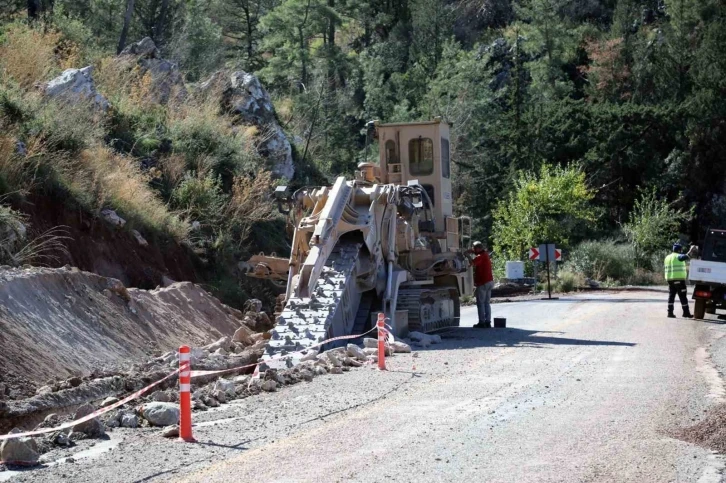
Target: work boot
482 325
671 315
687 315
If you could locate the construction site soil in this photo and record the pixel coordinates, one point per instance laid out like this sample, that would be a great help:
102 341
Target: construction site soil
59 323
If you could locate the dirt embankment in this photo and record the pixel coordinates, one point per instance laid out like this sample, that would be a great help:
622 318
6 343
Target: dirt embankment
65 322
99 248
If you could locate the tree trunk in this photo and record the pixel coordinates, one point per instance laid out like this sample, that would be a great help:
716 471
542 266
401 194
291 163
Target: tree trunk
125 29
33 9
250 45
160 21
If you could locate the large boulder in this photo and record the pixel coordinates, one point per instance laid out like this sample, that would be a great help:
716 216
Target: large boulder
244 97
161 413
93 428
19 451
167 82
75 85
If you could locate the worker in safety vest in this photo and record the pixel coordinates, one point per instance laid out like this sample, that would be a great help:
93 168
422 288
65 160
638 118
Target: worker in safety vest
676 274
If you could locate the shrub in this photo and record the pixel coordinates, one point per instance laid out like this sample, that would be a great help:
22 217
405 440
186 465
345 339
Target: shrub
653 224
568 281
200 198
600 260
199 132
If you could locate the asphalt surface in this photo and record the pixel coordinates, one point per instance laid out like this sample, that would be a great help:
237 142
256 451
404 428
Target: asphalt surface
586 388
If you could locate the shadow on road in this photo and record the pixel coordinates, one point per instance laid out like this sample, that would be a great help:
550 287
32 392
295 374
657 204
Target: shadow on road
463 337
570 300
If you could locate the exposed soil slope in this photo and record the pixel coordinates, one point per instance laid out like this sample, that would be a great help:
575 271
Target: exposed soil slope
99 248
60 322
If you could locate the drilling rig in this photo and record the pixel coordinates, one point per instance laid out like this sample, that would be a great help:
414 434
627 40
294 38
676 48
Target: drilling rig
386 241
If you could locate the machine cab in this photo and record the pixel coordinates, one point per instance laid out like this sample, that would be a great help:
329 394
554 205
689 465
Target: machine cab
418 152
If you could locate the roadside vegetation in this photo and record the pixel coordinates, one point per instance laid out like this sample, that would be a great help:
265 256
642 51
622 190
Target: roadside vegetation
570 119
175 171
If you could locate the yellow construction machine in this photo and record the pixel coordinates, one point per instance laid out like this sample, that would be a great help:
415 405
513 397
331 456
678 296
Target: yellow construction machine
386 241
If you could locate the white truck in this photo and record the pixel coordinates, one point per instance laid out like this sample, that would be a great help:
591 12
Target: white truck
709 275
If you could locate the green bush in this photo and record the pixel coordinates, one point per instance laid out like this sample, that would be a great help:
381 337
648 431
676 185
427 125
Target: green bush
568 282
200 198
600 260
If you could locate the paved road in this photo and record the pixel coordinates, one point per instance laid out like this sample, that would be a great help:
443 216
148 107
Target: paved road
582 389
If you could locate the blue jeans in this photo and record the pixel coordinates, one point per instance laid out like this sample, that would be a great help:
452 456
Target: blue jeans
483 302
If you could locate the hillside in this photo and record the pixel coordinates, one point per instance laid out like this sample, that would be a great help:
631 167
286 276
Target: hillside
181 116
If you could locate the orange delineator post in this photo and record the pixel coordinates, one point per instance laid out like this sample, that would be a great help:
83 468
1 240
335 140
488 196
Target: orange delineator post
185 394
381 342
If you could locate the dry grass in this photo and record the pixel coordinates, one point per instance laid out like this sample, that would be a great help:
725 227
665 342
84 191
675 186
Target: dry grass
29 55
250 203
117 181
21 173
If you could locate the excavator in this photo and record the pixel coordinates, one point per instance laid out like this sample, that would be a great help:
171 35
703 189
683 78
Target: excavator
384 242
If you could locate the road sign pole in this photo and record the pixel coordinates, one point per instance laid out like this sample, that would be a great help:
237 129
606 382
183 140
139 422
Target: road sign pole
549 289
535 278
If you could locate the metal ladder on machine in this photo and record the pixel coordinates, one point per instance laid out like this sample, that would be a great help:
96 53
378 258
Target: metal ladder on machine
465 232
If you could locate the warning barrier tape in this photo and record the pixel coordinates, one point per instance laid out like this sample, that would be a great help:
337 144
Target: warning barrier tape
184 368
289 354
94 414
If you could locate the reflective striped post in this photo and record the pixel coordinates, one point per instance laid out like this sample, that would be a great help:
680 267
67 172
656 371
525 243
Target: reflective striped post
381 341
185 394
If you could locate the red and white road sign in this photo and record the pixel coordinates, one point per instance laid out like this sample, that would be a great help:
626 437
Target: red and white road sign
558 255
534 253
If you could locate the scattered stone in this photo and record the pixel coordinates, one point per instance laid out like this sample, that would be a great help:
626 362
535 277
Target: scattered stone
243 336
19 451
223 343
355 351
414 354
60 438
160 413
369 343
129 420
166 80
75 85
112 217
44 390
108 401
269 386
144 47
75 381
241 380
336 370
333 358
170 432
311 355
398 346
51 420
77 436
220 396
92 428
350 362
139 239
320 370
226 386
160 396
